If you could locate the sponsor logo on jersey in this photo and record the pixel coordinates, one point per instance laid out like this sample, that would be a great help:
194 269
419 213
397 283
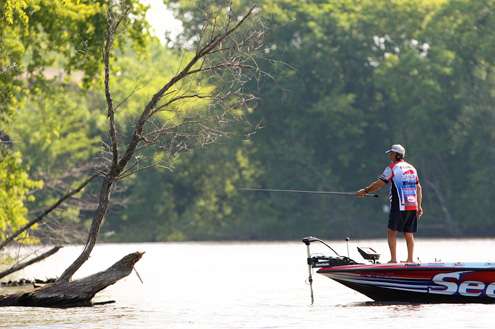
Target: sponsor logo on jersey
411 198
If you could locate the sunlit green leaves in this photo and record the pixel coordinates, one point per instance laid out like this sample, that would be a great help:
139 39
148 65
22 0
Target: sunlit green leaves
57 130
47 49
15 189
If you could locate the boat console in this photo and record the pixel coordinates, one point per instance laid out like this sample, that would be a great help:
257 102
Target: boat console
369 254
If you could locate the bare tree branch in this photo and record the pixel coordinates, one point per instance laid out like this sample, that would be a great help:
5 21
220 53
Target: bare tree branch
210 46
46 212
175 99
123 101
20 266
111 27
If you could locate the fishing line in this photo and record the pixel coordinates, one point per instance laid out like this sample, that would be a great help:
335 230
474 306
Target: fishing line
305 191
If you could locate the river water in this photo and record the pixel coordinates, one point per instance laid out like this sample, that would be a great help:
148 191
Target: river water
244 285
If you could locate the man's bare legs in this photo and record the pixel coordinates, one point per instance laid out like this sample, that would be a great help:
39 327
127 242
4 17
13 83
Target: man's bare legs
410 246
392 245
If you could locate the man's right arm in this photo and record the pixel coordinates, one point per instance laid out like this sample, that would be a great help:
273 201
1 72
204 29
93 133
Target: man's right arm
373 187
382 180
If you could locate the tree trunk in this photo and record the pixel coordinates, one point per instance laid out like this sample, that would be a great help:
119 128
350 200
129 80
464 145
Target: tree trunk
74 293
93 231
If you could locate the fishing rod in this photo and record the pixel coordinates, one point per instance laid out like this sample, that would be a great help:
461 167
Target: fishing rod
305 191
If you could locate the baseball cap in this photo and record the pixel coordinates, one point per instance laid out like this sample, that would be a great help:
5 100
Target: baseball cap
397 148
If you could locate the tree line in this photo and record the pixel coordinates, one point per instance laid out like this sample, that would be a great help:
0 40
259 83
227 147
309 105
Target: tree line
336 83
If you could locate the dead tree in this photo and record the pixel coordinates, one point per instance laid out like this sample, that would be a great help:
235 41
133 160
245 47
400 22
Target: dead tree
223 52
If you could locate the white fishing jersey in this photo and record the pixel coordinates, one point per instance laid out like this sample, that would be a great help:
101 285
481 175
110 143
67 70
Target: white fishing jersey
402 192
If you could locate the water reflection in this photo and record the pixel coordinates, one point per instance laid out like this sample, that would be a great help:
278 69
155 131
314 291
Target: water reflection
388 304
83 317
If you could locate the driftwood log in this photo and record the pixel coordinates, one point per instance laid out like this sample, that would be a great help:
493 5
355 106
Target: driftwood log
73 293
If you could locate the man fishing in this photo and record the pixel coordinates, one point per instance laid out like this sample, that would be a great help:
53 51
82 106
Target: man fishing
405 200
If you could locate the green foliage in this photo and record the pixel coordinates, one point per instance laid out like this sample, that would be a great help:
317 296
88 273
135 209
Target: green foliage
348 78
341 81
15 188
138 75
69 34
197 200
47 49
58 130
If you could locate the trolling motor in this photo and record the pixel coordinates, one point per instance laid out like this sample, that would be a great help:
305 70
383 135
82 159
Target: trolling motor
318 260
325 261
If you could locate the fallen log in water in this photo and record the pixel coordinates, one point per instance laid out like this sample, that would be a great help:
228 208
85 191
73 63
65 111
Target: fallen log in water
73 293
25 282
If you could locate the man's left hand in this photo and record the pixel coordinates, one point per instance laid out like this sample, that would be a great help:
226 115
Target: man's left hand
361 193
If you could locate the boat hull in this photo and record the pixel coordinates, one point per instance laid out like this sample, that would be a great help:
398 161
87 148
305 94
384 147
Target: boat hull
419 283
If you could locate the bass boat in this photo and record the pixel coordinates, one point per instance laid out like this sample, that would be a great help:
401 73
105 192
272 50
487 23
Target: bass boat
406 282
